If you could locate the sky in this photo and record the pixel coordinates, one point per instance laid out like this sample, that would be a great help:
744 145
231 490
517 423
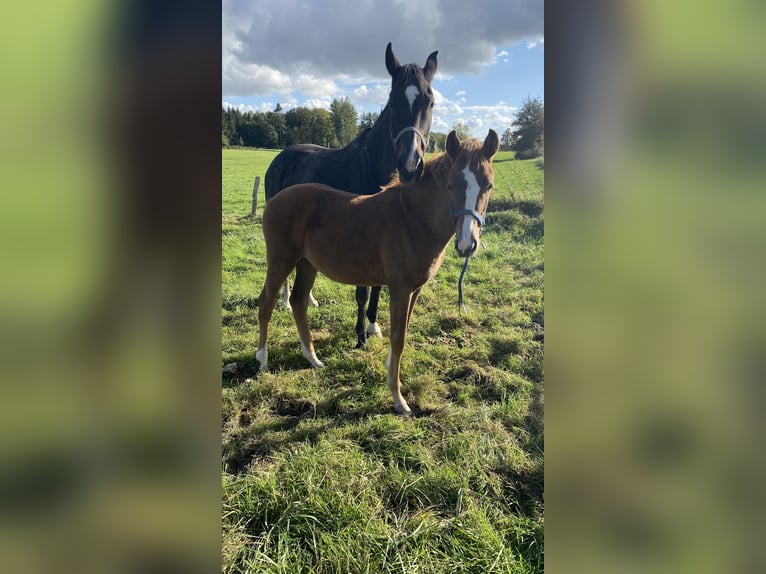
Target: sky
306 53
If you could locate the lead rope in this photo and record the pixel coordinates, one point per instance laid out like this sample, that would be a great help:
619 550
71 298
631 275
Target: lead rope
460 306
480 221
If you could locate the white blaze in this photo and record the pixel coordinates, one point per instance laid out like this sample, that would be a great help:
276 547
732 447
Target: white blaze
471 196
411 92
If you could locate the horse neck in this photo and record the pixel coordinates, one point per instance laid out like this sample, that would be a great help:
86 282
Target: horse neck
378 149
429 199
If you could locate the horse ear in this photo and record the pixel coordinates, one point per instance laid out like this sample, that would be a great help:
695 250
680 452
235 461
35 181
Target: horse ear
491 144
392 64
430 68
453 144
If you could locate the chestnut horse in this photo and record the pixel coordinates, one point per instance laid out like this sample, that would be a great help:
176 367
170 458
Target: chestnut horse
397 141
397 237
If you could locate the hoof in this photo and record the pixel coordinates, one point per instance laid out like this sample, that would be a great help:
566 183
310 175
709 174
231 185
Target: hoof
402 408
312 300
311 357
373 330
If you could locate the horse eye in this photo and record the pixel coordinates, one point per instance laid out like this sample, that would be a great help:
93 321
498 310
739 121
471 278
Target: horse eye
489 187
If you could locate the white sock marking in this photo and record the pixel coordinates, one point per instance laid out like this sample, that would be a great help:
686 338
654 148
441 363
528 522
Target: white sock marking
286 296
262 356
311 357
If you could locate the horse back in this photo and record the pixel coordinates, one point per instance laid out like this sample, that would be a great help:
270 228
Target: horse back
308 163
335 230
293 165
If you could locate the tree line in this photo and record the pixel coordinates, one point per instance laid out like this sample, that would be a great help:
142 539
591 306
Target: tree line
278 129
340 124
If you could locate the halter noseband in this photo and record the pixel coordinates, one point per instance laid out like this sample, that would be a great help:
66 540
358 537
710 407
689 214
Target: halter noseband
473 213
403 131
423 138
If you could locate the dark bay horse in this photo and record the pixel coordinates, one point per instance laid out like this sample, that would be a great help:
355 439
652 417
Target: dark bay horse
397 141
400 237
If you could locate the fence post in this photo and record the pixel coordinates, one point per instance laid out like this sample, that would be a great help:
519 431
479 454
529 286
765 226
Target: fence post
255 194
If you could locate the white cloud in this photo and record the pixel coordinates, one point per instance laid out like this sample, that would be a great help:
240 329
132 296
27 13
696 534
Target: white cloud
278 46
479 118
317 103
500 54
241 79
438 124
241 107
299 53
444 106
442 77
377 94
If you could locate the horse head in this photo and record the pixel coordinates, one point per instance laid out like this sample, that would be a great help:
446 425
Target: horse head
411 100
470 182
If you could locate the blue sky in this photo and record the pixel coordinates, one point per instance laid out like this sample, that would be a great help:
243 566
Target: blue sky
491 55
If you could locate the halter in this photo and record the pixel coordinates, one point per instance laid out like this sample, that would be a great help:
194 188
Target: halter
403 131
423 138
480 220
473 213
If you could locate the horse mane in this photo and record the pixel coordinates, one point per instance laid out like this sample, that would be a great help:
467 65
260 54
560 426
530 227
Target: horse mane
438 166
434 166
409 73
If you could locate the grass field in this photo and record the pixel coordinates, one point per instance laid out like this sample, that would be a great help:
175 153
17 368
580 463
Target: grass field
320 476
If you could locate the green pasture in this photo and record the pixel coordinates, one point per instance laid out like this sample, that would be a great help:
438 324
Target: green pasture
320 476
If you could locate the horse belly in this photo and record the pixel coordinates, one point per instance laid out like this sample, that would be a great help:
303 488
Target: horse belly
345 262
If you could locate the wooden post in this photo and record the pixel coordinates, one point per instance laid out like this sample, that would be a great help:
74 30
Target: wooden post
255 194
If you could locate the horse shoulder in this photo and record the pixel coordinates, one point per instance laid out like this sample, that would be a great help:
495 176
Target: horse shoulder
293 165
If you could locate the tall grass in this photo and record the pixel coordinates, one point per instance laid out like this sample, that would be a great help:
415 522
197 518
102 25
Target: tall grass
319 475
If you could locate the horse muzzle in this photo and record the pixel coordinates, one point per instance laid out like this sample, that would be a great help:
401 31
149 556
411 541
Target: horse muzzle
468 223
410 167
466 251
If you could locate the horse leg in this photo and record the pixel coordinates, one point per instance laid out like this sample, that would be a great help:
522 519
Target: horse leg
313 300
275 276
305 273
399 308
372 313
413 300
286 294
362 293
